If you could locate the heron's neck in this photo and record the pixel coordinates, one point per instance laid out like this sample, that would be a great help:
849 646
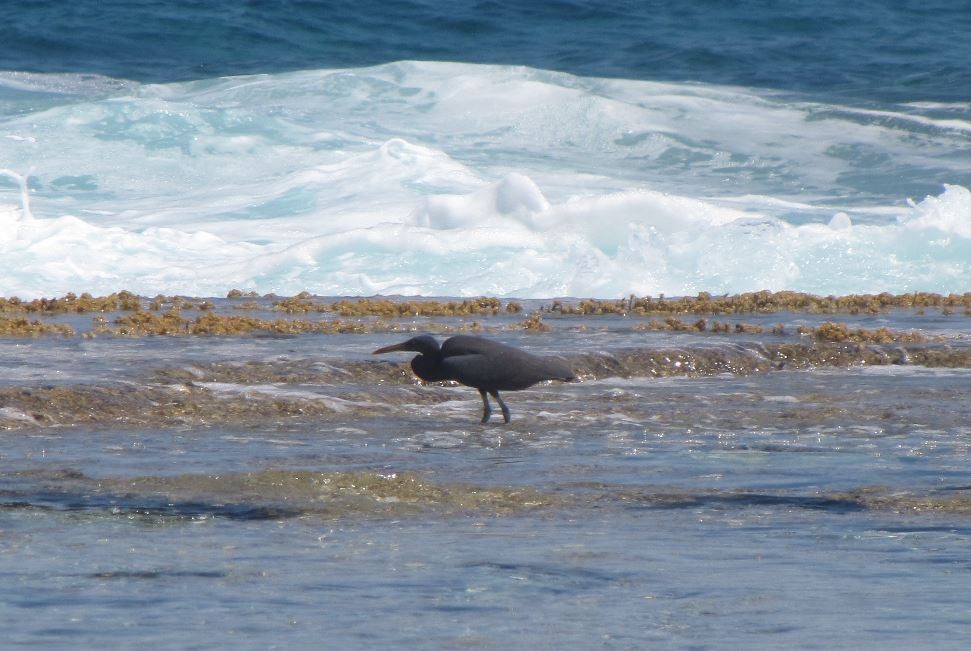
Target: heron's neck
428 366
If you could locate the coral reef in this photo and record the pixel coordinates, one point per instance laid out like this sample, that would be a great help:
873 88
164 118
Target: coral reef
126 314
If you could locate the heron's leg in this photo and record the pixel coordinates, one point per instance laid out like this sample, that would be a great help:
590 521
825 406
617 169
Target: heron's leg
505 410
486 409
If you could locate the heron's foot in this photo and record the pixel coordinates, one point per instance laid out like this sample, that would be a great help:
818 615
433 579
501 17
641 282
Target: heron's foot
486 409
502 405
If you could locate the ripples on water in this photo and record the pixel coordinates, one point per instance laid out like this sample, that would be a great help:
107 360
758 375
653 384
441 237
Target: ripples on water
187 491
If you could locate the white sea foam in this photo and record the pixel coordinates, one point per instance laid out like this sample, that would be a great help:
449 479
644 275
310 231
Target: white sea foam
453 179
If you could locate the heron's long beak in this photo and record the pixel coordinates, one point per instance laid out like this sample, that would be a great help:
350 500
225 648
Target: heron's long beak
391 349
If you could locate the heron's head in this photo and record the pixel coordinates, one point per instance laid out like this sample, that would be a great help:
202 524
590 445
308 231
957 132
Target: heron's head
425 344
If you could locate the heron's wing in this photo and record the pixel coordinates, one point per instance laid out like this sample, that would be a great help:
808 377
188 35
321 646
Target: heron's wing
470 345
489 365
474 370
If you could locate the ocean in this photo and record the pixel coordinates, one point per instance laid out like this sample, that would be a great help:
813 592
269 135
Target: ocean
409 148
201 461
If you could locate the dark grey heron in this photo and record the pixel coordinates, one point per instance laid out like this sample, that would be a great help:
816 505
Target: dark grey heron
487 365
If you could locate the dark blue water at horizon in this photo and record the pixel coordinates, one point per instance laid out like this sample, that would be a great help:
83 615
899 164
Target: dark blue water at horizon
898 51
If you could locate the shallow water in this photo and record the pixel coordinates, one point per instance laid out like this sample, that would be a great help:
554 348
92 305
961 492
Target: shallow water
191 491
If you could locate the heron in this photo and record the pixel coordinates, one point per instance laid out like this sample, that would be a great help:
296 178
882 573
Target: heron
484 364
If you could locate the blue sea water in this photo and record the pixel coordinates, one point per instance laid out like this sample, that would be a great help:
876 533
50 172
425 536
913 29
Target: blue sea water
869 51
514 149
